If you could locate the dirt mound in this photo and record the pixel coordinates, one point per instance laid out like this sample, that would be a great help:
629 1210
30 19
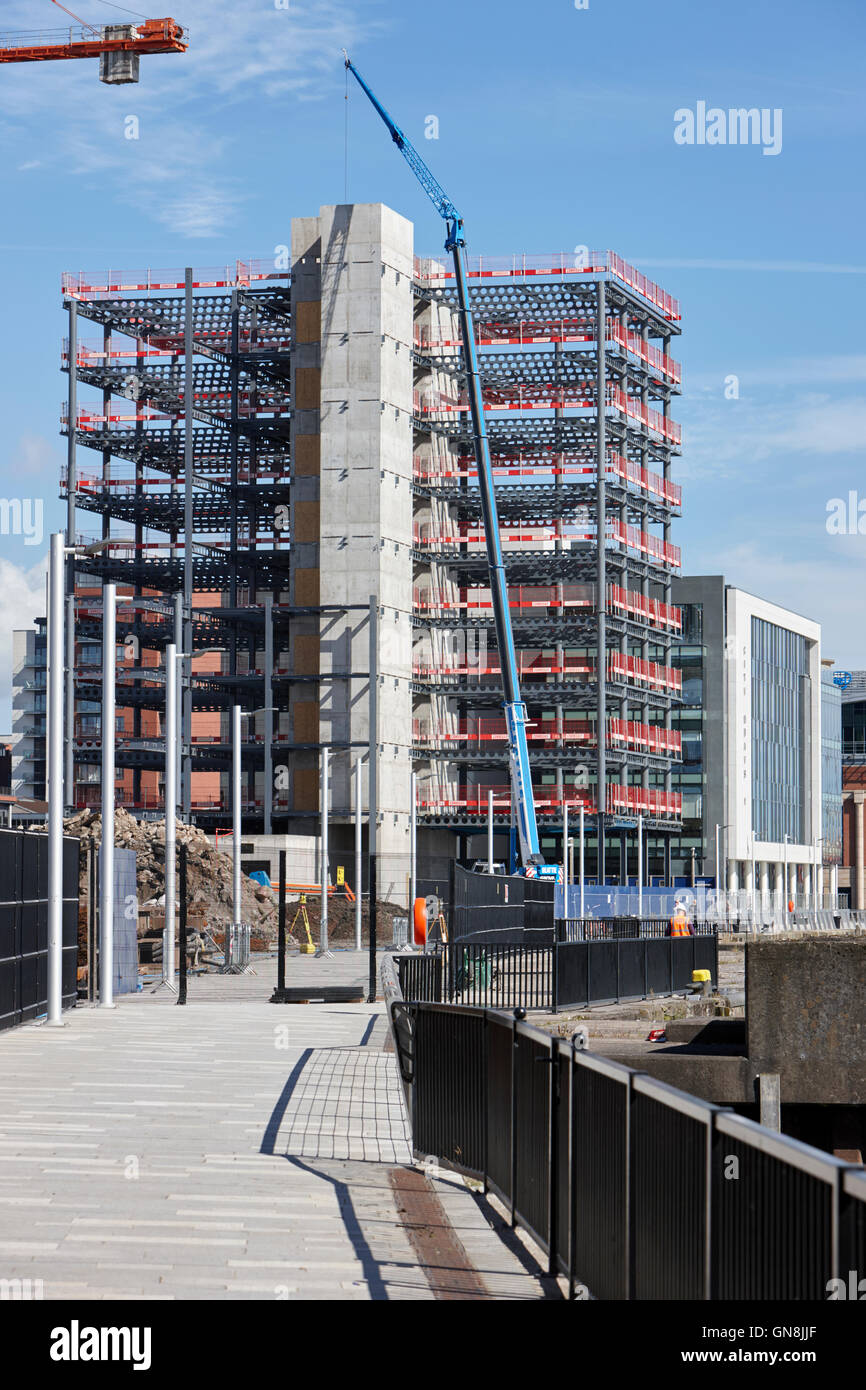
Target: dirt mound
341 920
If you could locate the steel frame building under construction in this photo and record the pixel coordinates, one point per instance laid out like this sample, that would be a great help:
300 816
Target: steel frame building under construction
280 441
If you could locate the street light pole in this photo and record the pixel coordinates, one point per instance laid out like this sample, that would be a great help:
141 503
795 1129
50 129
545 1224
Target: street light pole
413 854
236 815
358 866
323 932
581 860
640 865
565 853
168 936
787 915
106 854
56 691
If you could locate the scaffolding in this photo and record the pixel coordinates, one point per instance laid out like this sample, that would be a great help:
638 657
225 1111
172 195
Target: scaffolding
190 502
577 381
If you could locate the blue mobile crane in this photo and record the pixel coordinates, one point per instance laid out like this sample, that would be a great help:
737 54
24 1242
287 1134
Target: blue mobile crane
515 710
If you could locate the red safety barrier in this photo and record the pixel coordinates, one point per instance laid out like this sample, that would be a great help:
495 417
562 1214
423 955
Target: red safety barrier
635 671
644 738
558 266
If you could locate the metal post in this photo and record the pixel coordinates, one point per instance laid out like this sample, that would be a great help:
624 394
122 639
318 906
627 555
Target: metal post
565 854
582 858
601 573
490 831
281 927
69 701
373 813
358 868
640 865
187 646
168 935
413 853
92 952
181 993
106 853
785 884
71 488
55 778
236 815
323 932
177 676
269 713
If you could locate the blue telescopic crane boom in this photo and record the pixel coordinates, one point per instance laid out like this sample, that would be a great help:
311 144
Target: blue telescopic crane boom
515 710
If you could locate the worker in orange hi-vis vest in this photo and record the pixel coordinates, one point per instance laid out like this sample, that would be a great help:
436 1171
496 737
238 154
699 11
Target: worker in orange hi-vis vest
679 923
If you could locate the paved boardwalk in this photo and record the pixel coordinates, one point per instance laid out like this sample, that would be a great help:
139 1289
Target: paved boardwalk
216 1151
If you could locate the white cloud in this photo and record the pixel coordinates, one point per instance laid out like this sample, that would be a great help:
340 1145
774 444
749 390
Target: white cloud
725 437
827 588
33 453
180 173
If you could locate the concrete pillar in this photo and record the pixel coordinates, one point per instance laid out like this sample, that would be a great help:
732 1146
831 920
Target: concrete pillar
770 1100
859 866
352 507
819 884
749 881
733 876
764 868
807 883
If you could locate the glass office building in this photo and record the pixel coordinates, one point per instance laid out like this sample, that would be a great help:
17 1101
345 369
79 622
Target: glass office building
831 768
781 700
688 850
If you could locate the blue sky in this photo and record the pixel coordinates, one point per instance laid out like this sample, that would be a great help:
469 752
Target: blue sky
556 129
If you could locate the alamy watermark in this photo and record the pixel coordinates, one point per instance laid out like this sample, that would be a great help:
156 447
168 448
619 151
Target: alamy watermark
714 125
846 516
22 516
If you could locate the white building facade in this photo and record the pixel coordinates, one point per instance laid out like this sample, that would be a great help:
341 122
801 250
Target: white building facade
773 794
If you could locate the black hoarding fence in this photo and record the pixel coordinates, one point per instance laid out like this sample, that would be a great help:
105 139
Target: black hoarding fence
523 975
24 925
609 972
493 907
633 1189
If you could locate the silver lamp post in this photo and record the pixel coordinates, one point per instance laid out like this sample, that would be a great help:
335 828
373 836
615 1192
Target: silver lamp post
324 949
640 865
106 852
787 898
413 856
236 815
358 868
169 933
582 859
56 690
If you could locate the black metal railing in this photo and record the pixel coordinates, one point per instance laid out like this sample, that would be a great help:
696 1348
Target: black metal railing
502 975
634 1190
618 928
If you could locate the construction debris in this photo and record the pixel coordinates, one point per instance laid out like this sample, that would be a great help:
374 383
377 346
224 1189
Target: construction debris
209 873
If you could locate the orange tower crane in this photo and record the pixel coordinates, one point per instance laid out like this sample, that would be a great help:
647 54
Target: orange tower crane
117 46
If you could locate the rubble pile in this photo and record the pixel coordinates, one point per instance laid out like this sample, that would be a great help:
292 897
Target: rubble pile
209 873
